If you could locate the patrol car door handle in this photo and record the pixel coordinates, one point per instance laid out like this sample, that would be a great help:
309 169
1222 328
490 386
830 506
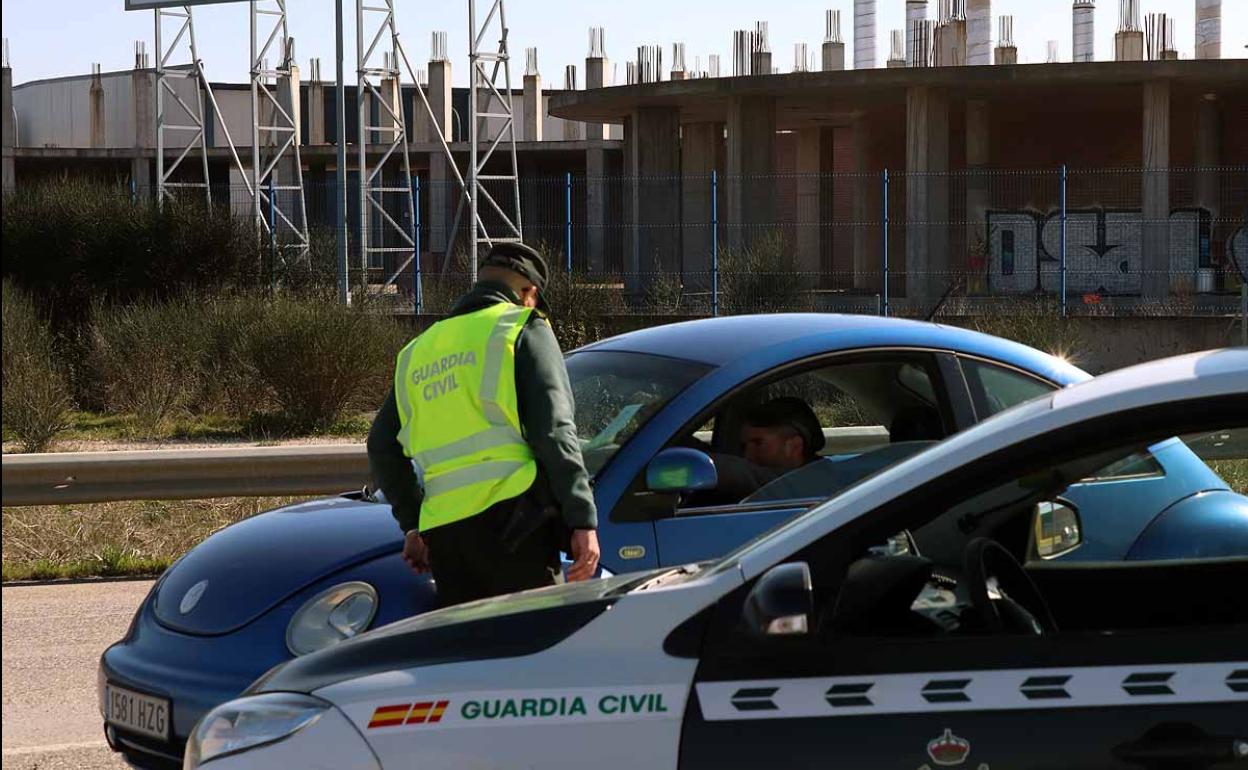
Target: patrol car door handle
1190 750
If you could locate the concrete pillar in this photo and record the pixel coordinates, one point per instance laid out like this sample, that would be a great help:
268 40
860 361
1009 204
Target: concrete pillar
1129 46
1209 157
596 209
1005 55
1208 29
679 75
596 69
833 56
288 97
1155 190
761 63
895 64
701 150
978 194
95 95
534 112
979 32
316 113
749 166
9 138
652 160
809 215
927 193
442 193
440 99
868 201
951 44
141 175
144 84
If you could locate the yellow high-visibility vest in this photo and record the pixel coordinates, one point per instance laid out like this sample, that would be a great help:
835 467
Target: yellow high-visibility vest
456 391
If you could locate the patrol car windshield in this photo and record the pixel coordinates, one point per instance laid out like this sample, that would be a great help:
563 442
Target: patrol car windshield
616 393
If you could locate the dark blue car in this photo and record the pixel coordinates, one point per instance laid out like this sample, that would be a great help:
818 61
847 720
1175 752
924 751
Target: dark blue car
665 400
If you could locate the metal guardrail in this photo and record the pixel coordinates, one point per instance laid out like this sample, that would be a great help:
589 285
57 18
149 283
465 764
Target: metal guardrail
182 474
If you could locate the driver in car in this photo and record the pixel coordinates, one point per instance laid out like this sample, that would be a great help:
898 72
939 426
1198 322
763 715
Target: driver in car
777 436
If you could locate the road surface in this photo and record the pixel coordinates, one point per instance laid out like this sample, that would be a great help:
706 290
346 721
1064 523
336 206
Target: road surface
53 636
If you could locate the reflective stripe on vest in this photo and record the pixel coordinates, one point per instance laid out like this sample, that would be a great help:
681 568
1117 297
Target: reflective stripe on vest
456 392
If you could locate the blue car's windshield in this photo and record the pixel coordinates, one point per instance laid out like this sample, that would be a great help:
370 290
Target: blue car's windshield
617 392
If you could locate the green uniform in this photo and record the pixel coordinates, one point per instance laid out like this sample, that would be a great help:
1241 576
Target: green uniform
545 415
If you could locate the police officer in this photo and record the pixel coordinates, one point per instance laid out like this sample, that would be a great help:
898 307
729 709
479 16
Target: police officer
475 447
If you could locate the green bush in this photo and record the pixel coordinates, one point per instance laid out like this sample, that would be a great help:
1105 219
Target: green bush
36 401
580 309
319 358
147 358
1033 321
763 277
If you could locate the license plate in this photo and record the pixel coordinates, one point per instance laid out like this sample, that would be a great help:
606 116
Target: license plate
130 710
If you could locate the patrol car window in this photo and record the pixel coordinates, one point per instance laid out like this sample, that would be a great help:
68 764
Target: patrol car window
616 393
996 388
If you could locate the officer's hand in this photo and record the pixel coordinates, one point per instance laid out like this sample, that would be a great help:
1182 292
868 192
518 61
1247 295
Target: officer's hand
415 552
585 554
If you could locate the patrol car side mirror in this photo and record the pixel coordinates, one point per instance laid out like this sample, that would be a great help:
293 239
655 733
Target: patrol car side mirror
781 602
681 470
1057 529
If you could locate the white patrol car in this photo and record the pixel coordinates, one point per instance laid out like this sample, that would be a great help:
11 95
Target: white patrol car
916 622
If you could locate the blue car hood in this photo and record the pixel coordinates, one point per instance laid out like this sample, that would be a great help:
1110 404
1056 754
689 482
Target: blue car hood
253 565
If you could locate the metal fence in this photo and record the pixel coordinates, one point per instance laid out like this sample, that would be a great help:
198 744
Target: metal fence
1074 240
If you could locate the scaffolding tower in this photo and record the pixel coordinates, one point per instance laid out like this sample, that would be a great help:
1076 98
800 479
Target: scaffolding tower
187 118
278 203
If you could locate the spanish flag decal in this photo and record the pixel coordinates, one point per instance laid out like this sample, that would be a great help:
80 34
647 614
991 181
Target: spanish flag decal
427 713
389 716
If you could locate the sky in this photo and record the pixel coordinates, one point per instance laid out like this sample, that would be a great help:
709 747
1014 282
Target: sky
50 38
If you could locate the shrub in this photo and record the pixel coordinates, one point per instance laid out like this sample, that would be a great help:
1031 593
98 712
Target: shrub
580 309
148 358
1036 322
762 277
318 358
36 401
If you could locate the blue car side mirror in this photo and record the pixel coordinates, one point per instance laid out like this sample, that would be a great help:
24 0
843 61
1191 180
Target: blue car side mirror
681 470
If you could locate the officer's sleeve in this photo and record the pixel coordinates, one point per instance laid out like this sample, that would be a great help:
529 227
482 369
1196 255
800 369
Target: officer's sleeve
390 469
548 415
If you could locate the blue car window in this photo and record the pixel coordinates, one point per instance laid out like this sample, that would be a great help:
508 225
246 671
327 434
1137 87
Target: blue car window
617 392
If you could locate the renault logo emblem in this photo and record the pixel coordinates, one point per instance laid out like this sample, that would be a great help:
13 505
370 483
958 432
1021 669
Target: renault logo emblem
192 597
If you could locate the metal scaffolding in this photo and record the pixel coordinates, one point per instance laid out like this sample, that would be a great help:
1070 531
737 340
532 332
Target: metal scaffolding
481 130
191 117
276 176
385 125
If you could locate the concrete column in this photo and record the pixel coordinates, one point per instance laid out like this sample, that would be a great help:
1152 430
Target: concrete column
809 214
144 86
1129 46
1208 29
534 112
288 97
761 63
978 196
927 193
951 44
596 69
1155 190
96 97
895 64
679 75
833 56
442 193
440 99
749 166
979 32
701 148
868 201
596 208
1208 157
316 113
10 130
1005 55
141 175
652 159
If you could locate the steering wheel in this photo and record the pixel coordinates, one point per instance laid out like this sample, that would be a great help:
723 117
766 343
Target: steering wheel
1021 607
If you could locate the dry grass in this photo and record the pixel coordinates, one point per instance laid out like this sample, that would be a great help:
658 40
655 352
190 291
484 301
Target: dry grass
1233 472
107 539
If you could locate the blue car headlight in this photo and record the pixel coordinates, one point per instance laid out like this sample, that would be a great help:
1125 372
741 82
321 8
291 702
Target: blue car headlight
249 722
331 616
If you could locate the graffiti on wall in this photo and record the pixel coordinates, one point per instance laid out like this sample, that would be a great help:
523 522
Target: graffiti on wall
1104 250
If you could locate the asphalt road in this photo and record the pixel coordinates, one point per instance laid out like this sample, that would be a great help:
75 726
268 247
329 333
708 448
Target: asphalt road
53 636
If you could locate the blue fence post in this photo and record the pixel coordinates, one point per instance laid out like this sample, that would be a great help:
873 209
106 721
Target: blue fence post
884 303
1062 269
567 220
714 243
134 192
273 233
416 289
